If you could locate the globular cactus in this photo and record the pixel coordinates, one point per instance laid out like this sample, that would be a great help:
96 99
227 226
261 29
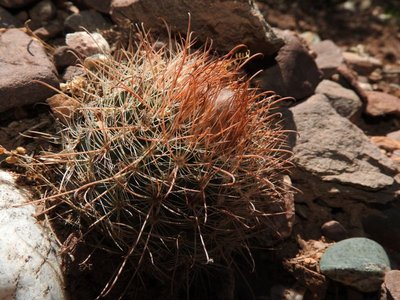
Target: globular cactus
170 159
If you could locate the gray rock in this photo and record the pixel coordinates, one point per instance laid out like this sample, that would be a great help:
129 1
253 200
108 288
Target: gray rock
227 23
29 267
334 231
89 20
391 285
43 11
295 73
16 3
7 20
87 44
344 101
23 60
335 158
381 104
357 262
380 226
329 57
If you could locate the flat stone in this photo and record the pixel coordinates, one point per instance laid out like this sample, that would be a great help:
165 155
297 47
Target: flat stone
227 23
23 61
381 104
329 57
29 266
357 262
392 285
345 101
336 159
295 73
89 20
395 135
7 20
363 65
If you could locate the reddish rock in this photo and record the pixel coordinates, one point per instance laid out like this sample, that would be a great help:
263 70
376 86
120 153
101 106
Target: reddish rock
87 44
64 56
391 285
16 3
23 61
50 30
295 73
380 104
329 57
227 23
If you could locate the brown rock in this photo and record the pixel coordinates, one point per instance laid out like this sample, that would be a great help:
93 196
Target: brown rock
23 61
64 56
87 44
71 72
7 20
392 285
334 231
295 73
16 3
89 20
103 6
63 107
329 57
50 30
336 159
227 23
380 104
43 11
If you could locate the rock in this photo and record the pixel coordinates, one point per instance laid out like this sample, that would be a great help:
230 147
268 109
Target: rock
87 44
344 101
395 135
380 104
391 285
43 11
310 37
103 6
227 23
357 262
29 268
295 73
381 227
50 30
23 61
7 20
71 72
335 159
89 20
329 57
63 107
279 292
363 65
334 231
16 3
386 143
64 56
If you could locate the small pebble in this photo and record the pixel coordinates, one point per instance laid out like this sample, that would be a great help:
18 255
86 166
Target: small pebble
334 231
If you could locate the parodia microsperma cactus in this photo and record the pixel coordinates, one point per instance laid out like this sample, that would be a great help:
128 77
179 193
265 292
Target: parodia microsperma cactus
170 159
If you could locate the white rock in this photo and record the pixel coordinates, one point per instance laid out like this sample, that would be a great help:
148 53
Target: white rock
87 44
29 267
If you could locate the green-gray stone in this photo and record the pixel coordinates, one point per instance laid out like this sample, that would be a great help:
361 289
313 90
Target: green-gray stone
357 262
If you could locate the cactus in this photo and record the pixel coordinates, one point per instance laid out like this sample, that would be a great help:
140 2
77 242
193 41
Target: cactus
171 160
